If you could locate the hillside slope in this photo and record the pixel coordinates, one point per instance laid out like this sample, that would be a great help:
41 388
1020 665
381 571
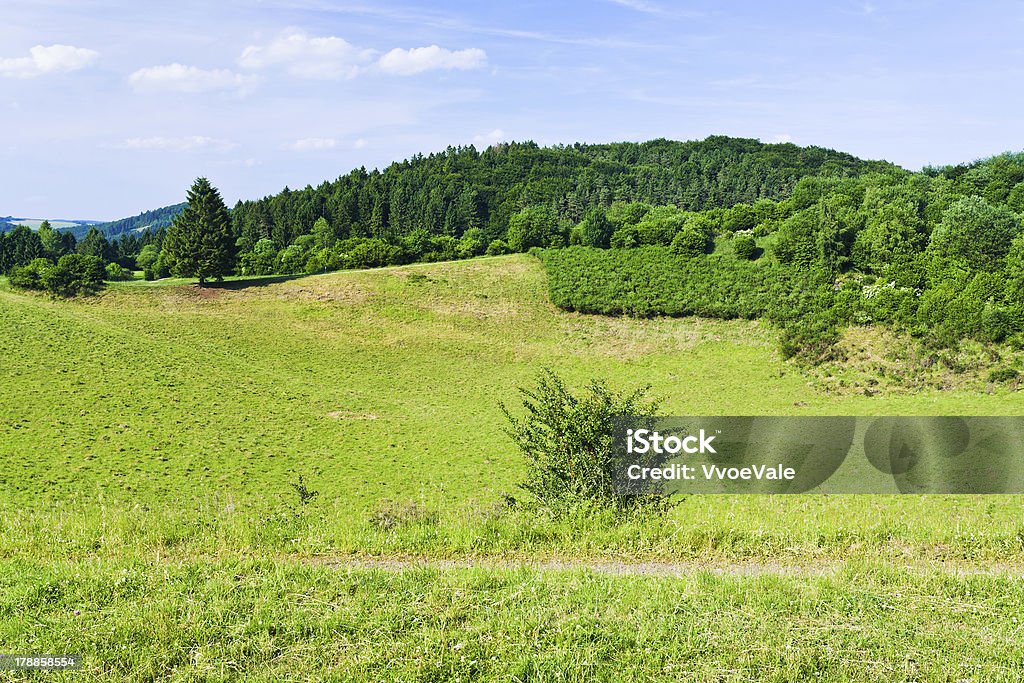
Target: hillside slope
168 392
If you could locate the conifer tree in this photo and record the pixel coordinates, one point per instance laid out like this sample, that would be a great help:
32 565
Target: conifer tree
199 242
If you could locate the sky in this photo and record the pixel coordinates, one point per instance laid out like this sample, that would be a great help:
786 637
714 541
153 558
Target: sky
112 107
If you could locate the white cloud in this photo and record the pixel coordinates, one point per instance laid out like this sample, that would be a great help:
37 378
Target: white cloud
782 137
639 6
183 144
313 144
419 59
188 79
304 56
361 143
488 139
47 60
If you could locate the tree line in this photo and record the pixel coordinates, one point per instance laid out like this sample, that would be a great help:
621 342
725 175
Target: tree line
938 254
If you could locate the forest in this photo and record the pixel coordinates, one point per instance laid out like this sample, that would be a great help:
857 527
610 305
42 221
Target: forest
809 238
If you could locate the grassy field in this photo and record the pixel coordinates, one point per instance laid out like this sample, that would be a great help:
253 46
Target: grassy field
273 621
150 439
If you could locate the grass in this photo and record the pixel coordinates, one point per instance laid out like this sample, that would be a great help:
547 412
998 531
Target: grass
150 437
374 385
268 621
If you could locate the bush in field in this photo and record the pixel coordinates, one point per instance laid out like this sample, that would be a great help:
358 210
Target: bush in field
626 237
75 274
115 273
373 253
690 243
796 243
745 246
442 248
627 213
660 225
740 217
568 438
30 276
146 260
472 243
292 259
497 248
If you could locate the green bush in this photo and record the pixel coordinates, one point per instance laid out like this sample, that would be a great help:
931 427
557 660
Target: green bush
497 248
374 253
75 274
535 226
261 260
690 243
31 275
745 246
568 441
115 273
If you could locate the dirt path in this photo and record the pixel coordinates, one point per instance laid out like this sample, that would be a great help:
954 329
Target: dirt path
663 568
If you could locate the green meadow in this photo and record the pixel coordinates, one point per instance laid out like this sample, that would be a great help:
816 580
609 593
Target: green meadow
152 439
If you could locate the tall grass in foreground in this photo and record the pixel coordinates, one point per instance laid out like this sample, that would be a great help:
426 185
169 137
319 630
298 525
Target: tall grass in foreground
263 620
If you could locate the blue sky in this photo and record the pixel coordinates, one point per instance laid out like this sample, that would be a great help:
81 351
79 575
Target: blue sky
108 108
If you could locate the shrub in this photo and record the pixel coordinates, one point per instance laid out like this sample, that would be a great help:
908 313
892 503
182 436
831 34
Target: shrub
497 248
259 261
745 246
689 243
442 248
595 230
625 237
75 274
373 253
568 441
291 259
534 226
1003 375
116 273
660 225
471 243
31 275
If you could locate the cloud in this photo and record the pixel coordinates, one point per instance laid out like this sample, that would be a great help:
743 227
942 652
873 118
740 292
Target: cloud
488 139
304 56
361 143
639 6
188 79
313 144
419 59
183 144
778 139
47 60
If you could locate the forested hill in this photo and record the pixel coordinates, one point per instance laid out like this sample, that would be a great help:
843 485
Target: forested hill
147 220
460 189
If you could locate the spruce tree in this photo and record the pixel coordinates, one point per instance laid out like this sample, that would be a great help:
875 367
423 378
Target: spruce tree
199 242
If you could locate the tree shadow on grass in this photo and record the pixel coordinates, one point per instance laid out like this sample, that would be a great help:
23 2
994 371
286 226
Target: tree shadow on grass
249 282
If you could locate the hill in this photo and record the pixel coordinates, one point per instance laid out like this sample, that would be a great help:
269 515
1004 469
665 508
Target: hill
8 223
147 220
461 189
155 433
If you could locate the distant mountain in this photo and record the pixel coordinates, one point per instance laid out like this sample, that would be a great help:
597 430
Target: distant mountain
147 220
11 222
